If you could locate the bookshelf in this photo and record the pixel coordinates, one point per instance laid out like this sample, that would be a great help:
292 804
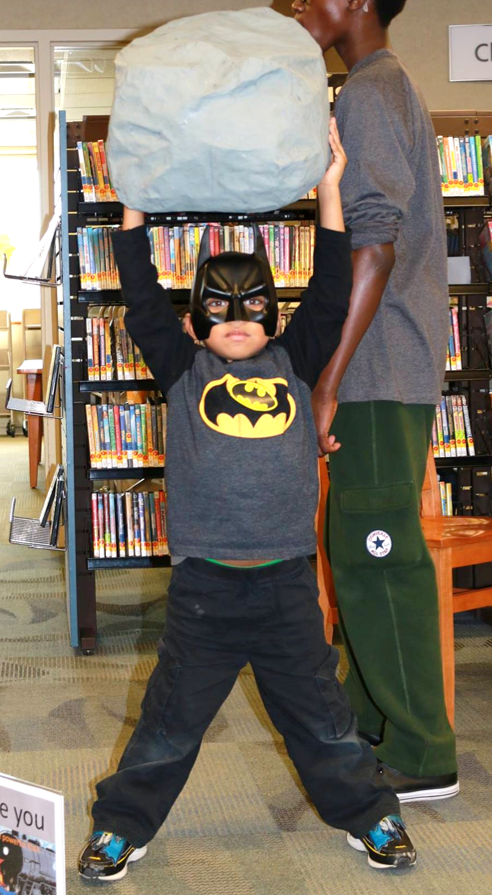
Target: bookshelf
467 473
81 565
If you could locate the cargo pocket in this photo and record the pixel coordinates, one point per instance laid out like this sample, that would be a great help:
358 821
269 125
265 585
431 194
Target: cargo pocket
159 691
380 525
339 713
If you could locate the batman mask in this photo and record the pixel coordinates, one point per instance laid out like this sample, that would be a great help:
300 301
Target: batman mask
235 278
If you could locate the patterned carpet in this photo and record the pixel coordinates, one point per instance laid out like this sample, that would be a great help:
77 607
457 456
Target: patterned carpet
243 825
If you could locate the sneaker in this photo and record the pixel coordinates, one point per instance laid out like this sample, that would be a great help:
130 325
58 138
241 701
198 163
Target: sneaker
388 845
106 857
419 789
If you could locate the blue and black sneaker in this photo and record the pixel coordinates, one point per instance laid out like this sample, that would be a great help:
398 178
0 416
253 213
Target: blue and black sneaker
105 857
388 844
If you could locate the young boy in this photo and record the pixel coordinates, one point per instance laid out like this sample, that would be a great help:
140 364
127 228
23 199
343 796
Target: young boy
241 474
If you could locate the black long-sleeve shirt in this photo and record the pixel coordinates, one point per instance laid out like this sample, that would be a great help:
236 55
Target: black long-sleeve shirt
241 464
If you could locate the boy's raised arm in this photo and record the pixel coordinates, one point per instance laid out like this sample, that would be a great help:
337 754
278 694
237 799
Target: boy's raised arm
150 319
314 334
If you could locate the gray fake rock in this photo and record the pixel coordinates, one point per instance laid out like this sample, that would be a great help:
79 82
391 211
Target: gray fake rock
226 111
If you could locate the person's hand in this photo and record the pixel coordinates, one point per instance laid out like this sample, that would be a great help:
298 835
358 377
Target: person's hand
324 410
338 163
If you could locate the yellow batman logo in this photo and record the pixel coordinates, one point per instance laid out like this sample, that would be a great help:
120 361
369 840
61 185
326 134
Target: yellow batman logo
268 408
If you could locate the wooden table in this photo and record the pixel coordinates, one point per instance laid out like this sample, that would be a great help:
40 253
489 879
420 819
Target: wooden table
33 370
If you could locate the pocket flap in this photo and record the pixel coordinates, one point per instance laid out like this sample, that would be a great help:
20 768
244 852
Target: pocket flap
388 497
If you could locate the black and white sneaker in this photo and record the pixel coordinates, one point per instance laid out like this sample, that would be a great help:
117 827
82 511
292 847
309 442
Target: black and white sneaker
105 857
388 845
419 789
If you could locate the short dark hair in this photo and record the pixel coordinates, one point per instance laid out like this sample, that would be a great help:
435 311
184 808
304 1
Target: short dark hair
388 9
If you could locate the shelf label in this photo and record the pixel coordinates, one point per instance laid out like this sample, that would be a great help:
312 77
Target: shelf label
470 52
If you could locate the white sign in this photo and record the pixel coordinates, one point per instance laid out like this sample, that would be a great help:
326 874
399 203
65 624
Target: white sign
32 839
470 52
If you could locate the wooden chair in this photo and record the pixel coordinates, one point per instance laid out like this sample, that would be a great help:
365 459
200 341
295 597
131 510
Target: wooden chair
453 542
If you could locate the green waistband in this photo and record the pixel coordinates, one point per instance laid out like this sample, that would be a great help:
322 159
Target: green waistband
260 565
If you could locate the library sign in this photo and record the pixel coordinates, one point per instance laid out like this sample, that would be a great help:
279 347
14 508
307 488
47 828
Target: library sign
470 52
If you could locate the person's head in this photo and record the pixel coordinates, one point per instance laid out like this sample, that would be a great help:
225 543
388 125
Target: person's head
233 304
332 22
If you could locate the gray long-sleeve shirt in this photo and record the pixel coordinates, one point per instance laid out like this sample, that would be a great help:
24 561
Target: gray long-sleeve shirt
391 194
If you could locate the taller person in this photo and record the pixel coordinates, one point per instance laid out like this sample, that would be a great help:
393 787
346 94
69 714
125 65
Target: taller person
383 383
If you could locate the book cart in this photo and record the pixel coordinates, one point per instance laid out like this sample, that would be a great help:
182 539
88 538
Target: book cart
81 565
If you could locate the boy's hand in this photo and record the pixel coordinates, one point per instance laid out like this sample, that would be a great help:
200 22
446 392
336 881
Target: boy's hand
324 410
338 164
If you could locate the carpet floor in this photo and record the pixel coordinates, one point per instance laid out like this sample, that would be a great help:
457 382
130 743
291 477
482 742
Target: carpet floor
243 825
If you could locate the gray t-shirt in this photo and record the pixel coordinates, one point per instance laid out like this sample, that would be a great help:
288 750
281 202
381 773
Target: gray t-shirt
391 193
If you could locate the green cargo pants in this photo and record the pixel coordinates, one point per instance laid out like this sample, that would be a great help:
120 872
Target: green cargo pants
385 583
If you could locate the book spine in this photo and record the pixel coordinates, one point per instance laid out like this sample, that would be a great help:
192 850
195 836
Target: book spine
138 428
141 523
124 448
145 445
160 442
464 163
112 525
121 525
112 436
468 429
109 356
99 172
133 431
460 435
457 155
148 524
440 436
80 249
102 350
107 527
105 173
473 152
91 190
163 505
435 442
456 337
449 499
95 526
83 175
153 525
97 440
136 526
129 524
117 435
158 525
452 434
101 517
129 440
478 150
469 166
442 492
90 352
445 429
452 349
90 433
108 454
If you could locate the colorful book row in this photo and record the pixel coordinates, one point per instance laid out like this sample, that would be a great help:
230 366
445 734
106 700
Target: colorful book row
126 436
111 352
129 524
289 248
94 173
452 434
96 259
461 165
174 251
453 360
